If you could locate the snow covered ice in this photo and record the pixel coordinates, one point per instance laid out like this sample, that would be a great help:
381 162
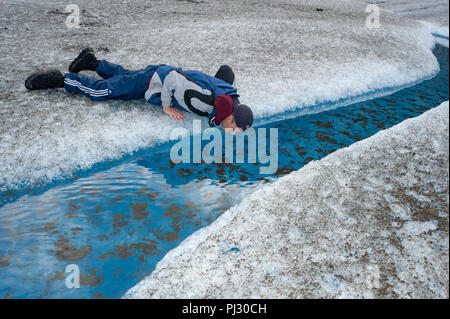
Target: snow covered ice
367 221
286 55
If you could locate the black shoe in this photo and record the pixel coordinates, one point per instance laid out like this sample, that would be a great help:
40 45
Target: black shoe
45 80
86 60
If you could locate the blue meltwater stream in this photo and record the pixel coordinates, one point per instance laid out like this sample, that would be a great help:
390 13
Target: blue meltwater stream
116 221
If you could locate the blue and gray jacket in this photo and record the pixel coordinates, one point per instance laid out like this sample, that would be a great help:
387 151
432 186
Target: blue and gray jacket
190 90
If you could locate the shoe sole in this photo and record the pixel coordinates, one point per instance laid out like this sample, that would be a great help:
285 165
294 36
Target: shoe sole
28 81
74 63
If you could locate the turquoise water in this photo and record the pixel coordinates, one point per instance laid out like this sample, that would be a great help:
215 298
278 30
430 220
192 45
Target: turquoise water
117 220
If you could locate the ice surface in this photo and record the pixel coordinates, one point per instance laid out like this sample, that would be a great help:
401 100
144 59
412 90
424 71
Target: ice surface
330 230
286 55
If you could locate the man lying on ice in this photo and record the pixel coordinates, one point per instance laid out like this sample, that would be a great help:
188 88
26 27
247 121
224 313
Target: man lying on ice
175 89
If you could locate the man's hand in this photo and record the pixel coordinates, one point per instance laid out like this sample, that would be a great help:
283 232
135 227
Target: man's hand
174 113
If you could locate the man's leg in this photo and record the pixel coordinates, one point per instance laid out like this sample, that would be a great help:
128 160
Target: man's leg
225 73
122 87
107 69
87 60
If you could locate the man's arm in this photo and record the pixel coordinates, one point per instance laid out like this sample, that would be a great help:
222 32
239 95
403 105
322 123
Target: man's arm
170 84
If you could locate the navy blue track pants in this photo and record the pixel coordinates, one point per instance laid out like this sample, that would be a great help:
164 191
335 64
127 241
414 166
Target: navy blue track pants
118 82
